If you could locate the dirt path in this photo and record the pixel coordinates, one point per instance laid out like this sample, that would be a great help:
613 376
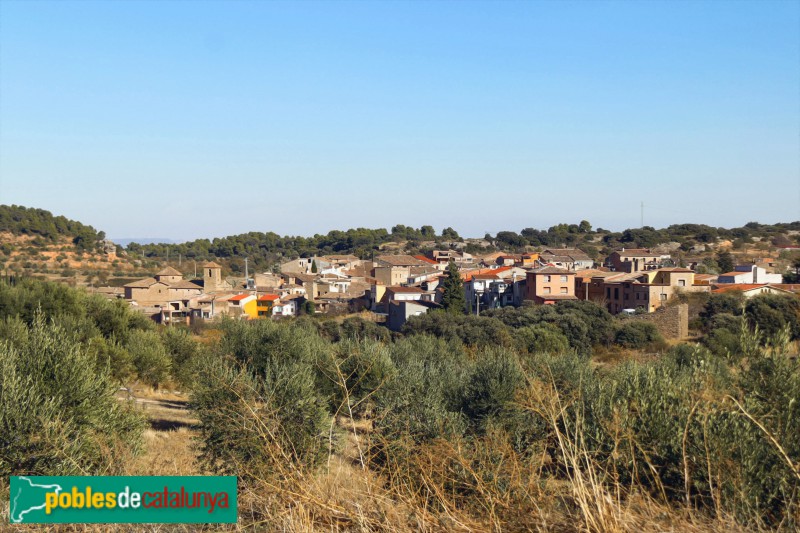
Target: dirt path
169 441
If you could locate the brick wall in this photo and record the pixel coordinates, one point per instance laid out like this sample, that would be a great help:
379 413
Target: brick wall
672 322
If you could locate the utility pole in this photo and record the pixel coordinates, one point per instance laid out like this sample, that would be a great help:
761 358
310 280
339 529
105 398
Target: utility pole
246 272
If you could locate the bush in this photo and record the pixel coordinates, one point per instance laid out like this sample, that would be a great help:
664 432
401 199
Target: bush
149 357
58 410
254 426
637 335
544 338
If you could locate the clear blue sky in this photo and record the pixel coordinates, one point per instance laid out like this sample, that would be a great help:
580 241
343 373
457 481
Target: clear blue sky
199 119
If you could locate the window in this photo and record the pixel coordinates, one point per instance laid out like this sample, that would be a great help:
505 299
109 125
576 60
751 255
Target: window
681 283
663 296
546 290
563 279
547 279
608 292
616 293
563 290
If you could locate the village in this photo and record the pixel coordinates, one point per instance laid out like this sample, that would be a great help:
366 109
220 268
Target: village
397 287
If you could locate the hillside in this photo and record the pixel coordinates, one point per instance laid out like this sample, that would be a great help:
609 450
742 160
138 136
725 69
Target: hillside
35 242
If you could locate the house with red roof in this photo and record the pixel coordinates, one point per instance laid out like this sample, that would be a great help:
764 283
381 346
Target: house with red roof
243 305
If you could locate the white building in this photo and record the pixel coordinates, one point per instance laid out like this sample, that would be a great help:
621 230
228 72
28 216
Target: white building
749 274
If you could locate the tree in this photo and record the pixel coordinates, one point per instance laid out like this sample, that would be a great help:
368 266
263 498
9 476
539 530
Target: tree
725 261
453 299
314 268
450 234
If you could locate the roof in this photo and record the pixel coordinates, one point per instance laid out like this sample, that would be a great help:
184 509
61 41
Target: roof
423 303
301 276
637 252
184 284
736 273
169 271
239 297
406 290
348 258
287 297
426 259
269 298
575 253
485 276
674 269
399 260
146 282
467 276
416 271
551 270
211 264
594 273
739 287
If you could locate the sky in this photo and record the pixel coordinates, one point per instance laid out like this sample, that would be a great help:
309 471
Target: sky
185 120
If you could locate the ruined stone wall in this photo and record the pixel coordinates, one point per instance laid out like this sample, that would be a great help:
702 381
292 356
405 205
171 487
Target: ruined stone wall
672 322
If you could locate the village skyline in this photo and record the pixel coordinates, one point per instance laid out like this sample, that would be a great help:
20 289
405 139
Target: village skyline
144 118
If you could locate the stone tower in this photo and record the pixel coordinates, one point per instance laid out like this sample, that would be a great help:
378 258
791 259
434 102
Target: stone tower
212 277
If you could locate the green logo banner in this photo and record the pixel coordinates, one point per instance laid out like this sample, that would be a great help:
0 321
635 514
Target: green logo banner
122 499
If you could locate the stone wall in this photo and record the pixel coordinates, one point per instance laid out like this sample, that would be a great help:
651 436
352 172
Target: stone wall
672 322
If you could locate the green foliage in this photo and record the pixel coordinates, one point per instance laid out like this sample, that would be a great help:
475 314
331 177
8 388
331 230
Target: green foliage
267 407
357 328
584 324
184 353
470 329
636 334
355 370
491 387
424 400
149 357
772 313
542 338
725 261
58 410
453 300
728 303
20 220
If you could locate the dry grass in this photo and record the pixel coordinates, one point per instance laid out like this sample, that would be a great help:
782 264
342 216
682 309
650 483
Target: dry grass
485 487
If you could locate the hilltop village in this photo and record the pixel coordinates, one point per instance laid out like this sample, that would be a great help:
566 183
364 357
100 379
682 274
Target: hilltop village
628 281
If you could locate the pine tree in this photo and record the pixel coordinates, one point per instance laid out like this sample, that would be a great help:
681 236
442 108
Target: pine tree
314 267
725 261
453 299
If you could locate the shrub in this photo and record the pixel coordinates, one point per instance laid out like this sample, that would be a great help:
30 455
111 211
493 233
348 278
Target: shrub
634 334
253 426
149 357
58 410
544 338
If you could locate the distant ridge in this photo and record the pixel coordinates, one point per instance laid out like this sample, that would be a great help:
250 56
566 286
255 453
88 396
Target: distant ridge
143 240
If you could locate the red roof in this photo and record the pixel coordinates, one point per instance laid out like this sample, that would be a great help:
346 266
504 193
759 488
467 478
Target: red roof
482 271
238 297
426 259
739 287
268 298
